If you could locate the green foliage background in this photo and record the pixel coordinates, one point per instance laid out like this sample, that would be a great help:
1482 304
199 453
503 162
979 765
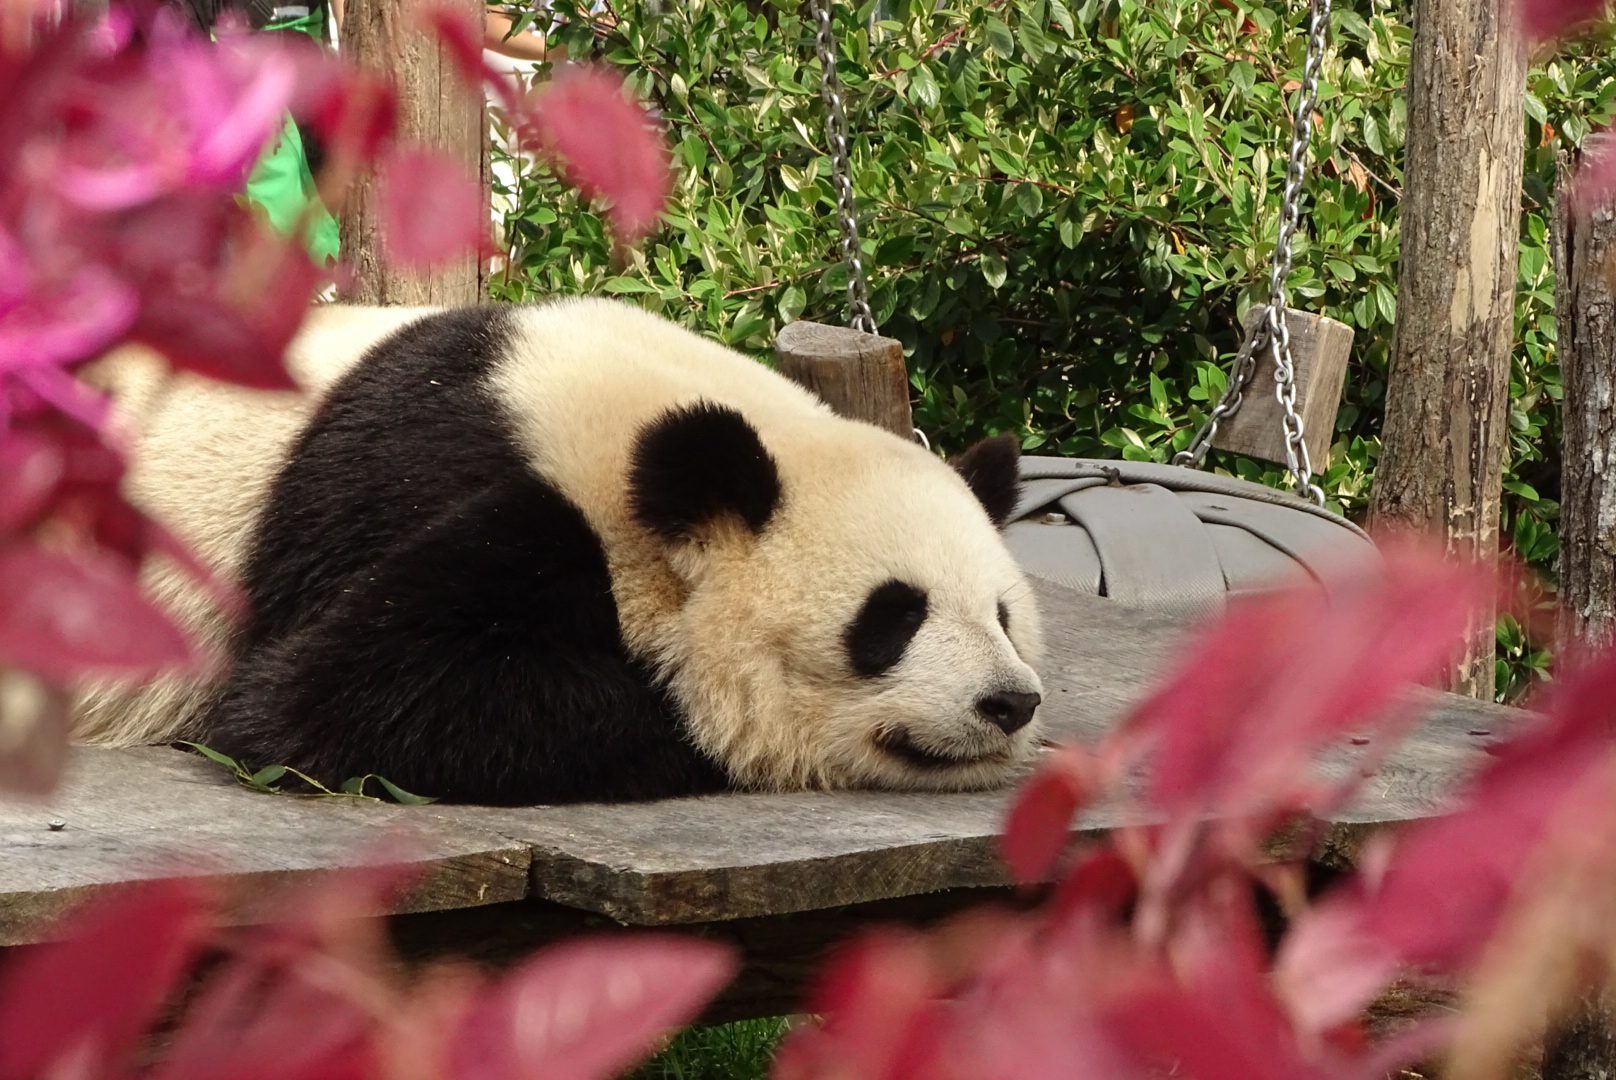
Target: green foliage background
1067 208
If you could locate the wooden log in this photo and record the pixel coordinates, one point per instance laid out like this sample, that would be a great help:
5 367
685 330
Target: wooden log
861 376
436 107
1447 393
1583 1047
1320 350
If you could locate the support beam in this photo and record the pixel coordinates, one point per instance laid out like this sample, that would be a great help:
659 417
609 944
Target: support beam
1447 408
436 107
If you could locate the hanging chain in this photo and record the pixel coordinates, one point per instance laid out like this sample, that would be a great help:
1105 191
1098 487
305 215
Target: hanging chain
858 292
1273 333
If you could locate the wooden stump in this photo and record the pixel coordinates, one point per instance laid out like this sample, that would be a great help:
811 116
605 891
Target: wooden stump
1447 393
437 107
861 376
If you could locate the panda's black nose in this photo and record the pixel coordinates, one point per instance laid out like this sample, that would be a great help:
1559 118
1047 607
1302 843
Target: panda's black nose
1008 710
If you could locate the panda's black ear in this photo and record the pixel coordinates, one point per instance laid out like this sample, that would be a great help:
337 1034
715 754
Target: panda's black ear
990 468
697 463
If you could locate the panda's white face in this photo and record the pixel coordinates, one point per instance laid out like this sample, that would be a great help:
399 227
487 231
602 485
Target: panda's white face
871 631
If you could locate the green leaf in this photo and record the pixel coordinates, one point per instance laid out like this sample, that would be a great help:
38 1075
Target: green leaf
994 271
1523 489
1000 39
923 88
401 796
628 285
792 302
214 756
268 775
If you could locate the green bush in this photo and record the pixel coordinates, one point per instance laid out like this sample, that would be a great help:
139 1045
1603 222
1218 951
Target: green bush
1067 210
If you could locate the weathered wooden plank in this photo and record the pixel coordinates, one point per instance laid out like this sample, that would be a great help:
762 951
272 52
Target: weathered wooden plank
737 856
132 815
687 861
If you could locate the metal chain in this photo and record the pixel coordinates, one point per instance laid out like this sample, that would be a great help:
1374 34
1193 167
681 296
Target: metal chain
858 292
1273 333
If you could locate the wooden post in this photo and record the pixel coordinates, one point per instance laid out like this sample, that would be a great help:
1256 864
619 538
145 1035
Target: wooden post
1320 349
1584 1048
859 375
437 107
1447 415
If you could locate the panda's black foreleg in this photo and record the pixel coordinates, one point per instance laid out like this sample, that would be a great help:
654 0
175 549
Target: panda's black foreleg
480 661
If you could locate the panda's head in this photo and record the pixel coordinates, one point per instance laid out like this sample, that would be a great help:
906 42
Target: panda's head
847 614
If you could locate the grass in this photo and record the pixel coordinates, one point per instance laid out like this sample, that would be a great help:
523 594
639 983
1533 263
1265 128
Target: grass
739 1051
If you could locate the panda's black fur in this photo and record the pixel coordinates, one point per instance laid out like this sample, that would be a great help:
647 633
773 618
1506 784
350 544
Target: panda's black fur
412 576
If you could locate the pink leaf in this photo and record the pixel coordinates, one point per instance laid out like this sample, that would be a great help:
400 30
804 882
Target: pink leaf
66 616
31 466
90 993
1594 184
1545 19
69 324
1037 830
459 34
605 144
587 1008
877 997
1433 896
1237 727
432 212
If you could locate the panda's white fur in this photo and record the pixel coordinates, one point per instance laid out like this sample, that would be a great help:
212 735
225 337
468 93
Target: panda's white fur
746 628
204 455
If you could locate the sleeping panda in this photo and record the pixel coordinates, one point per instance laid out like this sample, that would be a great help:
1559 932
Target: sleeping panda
539 554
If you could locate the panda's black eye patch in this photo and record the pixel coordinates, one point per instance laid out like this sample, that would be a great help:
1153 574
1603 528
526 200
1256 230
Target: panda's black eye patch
1004 617
878 635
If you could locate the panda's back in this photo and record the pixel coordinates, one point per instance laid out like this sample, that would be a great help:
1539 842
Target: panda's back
397 442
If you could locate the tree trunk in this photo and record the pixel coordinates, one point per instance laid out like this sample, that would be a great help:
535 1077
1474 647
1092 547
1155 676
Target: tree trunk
1440 468
1584 1048
1585 273
436 107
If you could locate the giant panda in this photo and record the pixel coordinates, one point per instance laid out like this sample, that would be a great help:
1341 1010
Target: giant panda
571 551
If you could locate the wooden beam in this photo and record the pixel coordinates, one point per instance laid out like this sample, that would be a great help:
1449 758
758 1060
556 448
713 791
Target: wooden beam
1447 393
861 376
436 107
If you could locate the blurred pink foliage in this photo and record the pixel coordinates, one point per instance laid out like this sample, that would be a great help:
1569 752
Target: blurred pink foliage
1545 20
314 993
583 120
1148 957
125 142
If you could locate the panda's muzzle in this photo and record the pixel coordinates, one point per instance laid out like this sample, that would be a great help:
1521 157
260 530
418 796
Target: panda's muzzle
897 742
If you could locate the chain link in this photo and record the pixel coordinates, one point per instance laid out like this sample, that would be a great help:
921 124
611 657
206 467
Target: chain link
1273 333
858 292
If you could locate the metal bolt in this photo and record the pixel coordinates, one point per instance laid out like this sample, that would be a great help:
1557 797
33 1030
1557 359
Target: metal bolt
56 826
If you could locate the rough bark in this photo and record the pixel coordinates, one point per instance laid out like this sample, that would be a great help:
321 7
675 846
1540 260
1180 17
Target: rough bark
1584 1048
436 107
1446 420
1585 269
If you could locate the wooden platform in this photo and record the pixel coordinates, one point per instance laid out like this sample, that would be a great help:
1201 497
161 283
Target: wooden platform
786 870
